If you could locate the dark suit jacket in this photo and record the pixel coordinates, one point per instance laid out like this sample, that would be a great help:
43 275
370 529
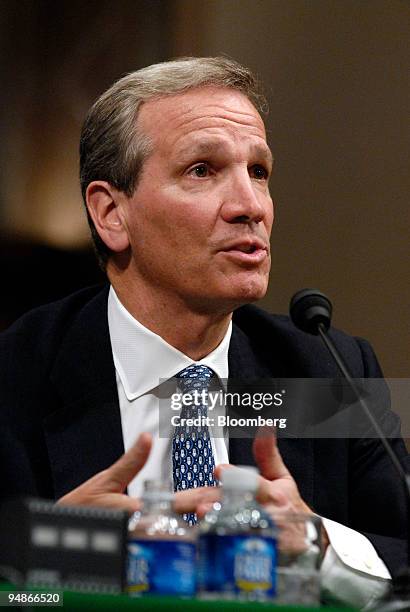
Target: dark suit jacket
61 422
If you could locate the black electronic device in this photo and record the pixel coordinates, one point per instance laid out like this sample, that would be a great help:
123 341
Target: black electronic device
63 547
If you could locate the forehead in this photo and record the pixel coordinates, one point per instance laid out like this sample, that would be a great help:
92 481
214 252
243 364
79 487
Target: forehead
176 120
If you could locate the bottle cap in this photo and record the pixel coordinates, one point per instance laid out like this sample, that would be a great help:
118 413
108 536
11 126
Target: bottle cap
240 478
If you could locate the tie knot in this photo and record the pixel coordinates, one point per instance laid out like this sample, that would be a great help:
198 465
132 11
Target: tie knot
194 377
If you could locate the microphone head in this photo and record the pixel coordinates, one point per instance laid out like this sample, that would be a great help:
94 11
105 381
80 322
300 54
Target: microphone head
308 308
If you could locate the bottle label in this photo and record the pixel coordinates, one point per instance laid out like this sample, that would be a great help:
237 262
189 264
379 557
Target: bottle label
238 564
161 567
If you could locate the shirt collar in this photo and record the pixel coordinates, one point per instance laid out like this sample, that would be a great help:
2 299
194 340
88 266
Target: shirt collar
142 358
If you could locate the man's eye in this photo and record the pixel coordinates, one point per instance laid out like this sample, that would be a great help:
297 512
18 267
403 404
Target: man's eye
259 172
200 170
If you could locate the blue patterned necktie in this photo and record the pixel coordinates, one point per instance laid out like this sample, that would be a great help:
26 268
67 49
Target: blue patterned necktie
192 457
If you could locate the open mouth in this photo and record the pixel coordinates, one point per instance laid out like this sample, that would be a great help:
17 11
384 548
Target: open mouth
250 248
248 252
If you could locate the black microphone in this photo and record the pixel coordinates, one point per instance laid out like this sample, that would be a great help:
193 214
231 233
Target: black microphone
311 311
310 307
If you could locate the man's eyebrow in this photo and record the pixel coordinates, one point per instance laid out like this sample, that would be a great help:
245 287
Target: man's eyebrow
204 147
207 147
263 153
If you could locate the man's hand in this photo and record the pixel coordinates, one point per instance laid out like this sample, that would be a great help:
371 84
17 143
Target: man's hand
107 487
278 492
199 500
277 488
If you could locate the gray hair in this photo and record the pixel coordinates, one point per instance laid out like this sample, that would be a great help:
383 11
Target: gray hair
113 149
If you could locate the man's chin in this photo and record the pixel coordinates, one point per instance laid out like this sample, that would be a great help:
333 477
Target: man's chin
251 290
245 294
249 297
224 297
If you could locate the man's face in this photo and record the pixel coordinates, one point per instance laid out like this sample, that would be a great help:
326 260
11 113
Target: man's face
200 218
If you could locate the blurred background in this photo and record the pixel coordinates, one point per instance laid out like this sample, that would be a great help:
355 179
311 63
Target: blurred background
337 79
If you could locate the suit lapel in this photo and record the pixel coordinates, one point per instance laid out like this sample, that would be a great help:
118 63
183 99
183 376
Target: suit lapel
84 434
247 363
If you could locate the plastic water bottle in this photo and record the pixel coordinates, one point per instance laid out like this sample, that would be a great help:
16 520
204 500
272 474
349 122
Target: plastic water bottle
161 547
237 543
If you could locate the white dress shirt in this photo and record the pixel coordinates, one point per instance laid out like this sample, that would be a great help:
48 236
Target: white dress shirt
142 361
351 570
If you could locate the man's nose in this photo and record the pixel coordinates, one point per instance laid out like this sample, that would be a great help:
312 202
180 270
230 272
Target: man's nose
243 201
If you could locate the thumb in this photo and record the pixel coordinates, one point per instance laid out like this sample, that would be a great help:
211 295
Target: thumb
267 455
120 473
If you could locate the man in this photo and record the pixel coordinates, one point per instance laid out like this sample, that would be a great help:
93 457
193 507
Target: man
175 170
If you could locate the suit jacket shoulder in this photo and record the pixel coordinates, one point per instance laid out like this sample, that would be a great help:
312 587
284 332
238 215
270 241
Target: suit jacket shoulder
59 396
43 328
301 354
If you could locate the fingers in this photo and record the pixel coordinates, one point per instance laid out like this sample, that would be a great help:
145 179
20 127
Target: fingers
266 491
272 493
106 489
120 474
267 455
202 509
190 500
114 501
118 501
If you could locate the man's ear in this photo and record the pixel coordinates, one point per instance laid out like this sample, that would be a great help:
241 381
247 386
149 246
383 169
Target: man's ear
104 207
